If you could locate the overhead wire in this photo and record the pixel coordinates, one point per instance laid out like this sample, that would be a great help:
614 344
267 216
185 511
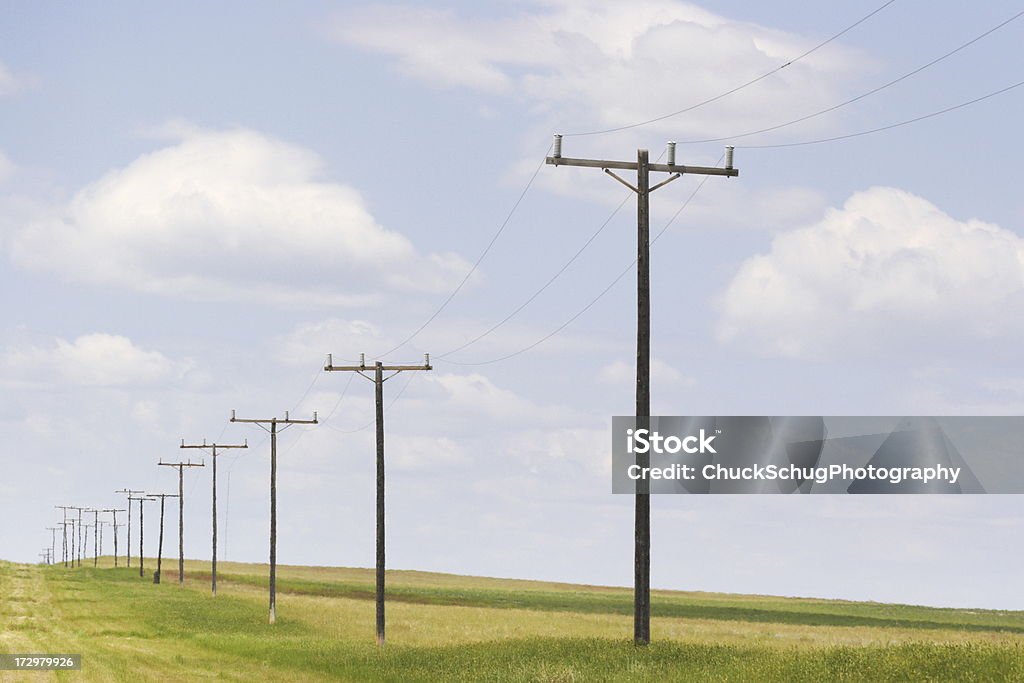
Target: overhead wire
741 86
593 301
891 126
476 264
863 95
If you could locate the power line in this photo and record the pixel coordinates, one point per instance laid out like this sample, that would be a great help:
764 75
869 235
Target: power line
387 409
907 122
549 282
865 94
742 86
593 301
476 264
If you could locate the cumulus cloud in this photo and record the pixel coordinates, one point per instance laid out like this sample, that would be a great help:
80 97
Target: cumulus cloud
91 360
225 215
888 267
609 63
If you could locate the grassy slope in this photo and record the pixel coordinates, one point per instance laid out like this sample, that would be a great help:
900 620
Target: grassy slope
443 627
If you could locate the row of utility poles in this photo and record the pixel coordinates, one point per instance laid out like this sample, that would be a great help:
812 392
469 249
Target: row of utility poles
74 544
378 373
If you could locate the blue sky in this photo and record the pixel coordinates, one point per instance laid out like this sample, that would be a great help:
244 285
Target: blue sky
197 204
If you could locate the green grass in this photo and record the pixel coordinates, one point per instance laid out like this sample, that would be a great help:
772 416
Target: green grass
448 628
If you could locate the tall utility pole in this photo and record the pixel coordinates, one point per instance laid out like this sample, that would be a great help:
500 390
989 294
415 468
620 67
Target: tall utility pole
160 545
273 430
64 524
113 513
378 380
643 189
213 449
128 541
53 542
181 512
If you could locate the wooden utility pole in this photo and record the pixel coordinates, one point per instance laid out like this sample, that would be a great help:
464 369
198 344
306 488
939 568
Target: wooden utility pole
213 449
160 545
81 536
113 513
643 189
64 524
53 542
141 499
181 512
128 541
288 421
378 380
95 537
103 523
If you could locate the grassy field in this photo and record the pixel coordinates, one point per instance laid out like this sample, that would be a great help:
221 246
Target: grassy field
455 628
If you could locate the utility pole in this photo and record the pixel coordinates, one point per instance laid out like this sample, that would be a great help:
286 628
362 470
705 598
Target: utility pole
102 524
643 189
273 430
181 512
160 545
128 541
113 513
378 380
81 538
95 537
213 449
141 499
64 524
53 542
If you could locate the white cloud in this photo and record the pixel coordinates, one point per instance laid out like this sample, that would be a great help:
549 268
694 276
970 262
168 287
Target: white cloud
888 267
91 360
227 215
608 63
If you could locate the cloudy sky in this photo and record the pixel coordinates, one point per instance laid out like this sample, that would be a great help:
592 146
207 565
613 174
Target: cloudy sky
198 203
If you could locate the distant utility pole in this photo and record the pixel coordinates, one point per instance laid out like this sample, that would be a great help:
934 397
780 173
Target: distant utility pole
85 545
273 430
45 556
95 537
141 499
378 380
160 545
102 524
213 449
64 524
53 541
181 512
81 538
128 541
643 189
113 513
